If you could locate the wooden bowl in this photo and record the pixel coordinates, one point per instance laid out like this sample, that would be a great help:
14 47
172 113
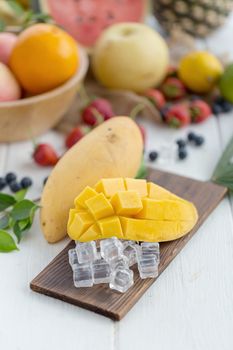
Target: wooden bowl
31 116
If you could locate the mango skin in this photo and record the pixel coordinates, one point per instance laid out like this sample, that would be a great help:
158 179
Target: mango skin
113 149
163 217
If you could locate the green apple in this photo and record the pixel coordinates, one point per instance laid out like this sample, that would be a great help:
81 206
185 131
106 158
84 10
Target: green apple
130 56
226 83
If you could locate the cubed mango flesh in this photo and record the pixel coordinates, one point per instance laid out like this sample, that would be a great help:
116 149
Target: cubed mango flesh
126 203
110 186
99 206
138 185
164 210
81 221
110 227
91 234
86 194
160 193
141 212
154 230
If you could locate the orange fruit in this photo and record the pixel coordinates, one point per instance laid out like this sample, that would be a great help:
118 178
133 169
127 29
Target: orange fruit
43 58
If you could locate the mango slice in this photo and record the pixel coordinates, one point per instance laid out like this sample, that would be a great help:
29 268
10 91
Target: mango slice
126 203
130 209
110 186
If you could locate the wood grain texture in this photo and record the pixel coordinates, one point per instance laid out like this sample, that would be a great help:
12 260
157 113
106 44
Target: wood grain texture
56 279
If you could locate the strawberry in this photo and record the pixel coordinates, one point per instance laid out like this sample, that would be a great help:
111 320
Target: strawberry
173 88
97 112
178 115
76 134
143 132
156 97
200 111
45 155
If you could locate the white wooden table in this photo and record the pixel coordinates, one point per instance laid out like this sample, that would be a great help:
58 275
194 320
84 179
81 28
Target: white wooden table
190 306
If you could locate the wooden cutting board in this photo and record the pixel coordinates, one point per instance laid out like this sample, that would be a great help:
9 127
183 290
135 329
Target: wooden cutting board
56 279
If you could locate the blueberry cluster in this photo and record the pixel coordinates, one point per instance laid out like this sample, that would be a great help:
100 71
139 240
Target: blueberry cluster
220 105
11 180
192 138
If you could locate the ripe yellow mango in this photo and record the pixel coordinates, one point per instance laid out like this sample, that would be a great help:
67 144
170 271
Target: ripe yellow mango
112 150
142 212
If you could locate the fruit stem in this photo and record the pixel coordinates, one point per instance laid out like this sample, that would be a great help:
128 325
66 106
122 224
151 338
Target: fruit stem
134 112
98 115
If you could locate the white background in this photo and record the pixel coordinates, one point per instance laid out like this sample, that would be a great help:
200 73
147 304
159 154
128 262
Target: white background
190 306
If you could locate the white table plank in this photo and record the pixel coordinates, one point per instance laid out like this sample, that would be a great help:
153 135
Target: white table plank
39 321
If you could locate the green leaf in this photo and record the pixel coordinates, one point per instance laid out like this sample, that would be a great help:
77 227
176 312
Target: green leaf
23 210
7 244
16 7
21 227
20 195
6 201
4 221
142 171
223 173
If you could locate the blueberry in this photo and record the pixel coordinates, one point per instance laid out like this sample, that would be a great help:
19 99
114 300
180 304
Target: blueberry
199 140
45 180
10 177
219 100
191 136
217 109
15 186
163 112
2 183
182 154
181 143
226 106
26 182
153 155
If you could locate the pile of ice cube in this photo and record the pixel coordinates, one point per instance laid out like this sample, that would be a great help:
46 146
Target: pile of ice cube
111 264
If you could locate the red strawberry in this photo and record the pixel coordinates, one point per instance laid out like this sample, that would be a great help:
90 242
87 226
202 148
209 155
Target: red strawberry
143 132
200 111
173 88
156 97
97 112
45 155
178 115
76 134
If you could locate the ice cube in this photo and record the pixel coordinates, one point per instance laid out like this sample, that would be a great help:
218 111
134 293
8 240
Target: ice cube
73 259
129 251
86 252
82 275
110 248
101 271
147 266
150 248
120 262
121 280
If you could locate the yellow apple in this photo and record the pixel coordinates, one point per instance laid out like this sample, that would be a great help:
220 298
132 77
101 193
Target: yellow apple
130 56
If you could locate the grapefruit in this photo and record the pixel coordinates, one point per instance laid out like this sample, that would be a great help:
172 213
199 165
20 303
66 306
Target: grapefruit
86 19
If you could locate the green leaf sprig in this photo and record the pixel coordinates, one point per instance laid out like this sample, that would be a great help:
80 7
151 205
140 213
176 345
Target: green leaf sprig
223 173
16 218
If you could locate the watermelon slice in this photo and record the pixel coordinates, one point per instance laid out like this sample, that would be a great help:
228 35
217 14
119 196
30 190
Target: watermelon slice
85 19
